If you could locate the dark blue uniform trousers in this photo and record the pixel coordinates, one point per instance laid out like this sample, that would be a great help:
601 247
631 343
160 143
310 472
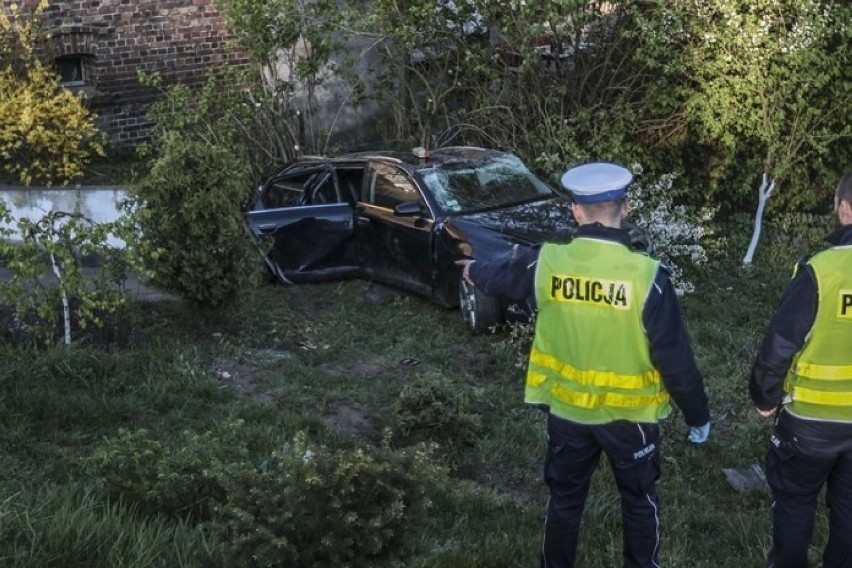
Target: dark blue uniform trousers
796 476
573 453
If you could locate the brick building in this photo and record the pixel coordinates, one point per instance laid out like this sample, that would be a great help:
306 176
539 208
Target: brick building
99 45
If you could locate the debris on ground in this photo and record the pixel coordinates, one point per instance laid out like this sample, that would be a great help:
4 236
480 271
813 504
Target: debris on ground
744 479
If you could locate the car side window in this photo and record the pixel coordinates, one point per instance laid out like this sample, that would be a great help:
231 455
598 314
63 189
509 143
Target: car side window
389 187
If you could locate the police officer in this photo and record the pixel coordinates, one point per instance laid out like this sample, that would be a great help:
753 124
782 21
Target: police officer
802 375
610 350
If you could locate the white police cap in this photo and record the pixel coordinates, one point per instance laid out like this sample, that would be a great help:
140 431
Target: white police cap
596 182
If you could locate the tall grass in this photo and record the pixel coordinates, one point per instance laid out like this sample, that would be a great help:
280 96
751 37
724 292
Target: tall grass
69 525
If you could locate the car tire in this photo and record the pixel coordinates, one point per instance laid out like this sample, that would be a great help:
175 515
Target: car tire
479 311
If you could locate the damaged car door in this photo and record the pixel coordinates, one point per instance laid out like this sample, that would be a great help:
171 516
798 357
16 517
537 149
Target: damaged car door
310 224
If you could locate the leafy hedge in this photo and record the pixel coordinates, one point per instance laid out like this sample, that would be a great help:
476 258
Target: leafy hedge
189 209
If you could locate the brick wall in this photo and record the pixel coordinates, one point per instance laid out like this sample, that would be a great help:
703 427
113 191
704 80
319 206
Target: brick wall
112 39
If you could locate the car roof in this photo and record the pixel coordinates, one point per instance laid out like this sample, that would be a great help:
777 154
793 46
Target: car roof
408 161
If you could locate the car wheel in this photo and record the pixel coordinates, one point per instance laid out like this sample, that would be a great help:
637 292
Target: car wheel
479 311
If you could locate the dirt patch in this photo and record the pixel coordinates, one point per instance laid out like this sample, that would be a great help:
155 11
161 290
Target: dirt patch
350 417
362 370
243 376
367 370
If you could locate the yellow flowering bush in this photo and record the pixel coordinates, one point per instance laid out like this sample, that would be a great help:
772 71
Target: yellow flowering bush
47 135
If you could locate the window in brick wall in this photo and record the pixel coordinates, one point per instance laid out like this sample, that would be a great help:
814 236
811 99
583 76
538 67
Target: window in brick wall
72 70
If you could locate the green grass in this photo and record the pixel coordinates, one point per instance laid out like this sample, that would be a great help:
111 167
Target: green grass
329 360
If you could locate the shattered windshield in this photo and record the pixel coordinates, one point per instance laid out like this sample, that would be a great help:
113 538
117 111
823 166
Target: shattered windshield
468 188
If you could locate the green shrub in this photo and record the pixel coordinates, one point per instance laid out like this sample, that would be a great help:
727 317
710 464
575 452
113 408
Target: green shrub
189 210
437 409
309 505
306 505
181 480
793 235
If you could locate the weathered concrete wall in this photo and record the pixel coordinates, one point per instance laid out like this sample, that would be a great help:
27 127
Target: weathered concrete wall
339 121
181 39
97 203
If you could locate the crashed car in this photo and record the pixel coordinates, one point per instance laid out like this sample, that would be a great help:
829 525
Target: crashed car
403 219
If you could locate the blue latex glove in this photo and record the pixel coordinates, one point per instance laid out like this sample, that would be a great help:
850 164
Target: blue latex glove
699 434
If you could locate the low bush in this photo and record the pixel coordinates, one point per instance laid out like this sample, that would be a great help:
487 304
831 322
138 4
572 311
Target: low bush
304 505
310 505
435 408
181 480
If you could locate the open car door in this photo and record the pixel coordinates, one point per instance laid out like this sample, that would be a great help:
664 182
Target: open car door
311 230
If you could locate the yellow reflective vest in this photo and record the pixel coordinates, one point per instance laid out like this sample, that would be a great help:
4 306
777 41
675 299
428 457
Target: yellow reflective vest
819 382
590 359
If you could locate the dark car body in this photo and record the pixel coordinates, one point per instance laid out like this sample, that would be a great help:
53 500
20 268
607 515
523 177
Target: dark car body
403 220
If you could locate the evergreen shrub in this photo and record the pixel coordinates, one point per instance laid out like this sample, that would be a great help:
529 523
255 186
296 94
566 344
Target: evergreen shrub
310 505
180 480
435 408
304 505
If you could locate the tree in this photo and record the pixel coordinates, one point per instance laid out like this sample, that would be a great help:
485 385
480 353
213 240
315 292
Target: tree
291 45
762 87
69 296
770 95
717 92
46 133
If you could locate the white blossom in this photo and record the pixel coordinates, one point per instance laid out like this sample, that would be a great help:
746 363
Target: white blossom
676 232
